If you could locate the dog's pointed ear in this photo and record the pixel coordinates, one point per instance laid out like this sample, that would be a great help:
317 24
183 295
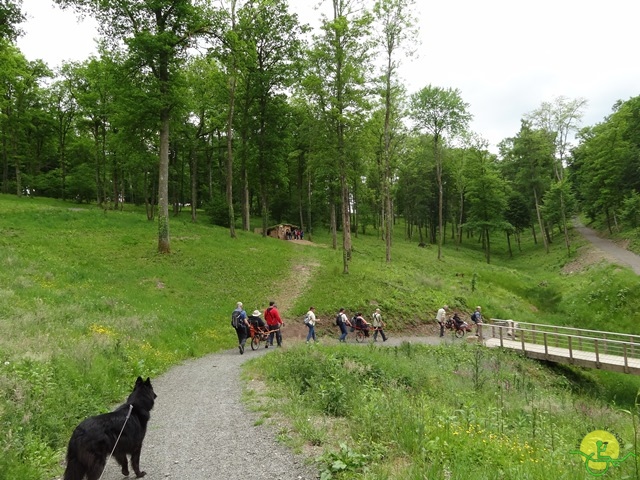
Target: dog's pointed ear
138 380
148 381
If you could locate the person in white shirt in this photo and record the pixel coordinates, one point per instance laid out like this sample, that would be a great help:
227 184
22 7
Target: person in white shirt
441 318
378 325
311 324
343 322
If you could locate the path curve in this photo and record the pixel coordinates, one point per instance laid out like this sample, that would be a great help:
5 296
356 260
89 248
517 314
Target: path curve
200 430
614 253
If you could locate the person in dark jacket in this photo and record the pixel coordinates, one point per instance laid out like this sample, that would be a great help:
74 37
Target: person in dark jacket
255 320
476 317
242 329
343 322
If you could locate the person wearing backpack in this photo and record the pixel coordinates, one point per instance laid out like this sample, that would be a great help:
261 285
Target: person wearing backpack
310 321
343 322
476 317
240 323
378 326
274 322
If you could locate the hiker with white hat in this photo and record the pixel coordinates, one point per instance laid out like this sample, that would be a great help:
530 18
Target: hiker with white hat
256 320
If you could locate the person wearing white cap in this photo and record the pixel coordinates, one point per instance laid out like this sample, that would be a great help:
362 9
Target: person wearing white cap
342 321
240 323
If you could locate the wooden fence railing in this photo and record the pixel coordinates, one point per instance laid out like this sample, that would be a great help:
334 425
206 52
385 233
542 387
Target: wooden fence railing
565 344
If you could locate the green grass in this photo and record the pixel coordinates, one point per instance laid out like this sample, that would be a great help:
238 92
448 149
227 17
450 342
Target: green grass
468 413
86 305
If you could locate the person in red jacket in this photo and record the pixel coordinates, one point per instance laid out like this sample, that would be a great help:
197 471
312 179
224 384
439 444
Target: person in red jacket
274 322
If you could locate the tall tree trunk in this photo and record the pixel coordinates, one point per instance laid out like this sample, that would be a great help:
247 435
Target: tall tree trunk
488 245
115 181
438 158
300 191
96 147
246 201
265 208
388 224
346 224
194 183
244 176
355 210
608 218
103 163
232 102
539 215
309 206
334 225
19 178
564 224
164 245
63 162
265 185
229 191
5 164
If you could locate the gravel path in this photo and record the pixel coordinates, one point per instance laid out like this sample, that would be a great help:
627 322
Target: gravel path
200 430
614 252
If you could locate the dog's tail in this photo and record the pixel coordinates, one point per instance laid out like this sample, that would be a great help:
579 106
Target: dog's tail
75 470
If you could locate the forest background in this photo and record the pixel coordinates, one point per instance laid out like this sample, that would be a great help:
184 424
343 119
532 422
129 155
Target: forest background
238 109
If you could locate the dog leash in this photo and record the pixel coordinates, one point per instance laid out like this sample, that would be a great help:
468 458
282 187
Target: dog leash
117 440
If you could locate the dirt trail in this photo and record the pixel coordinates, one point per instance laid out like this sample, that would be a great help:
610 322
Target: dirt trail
287 291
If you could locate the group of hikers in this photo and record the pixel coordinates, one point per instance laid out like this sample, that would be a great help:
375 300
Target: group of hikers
295 234
271 321
458 323
243 322
358 322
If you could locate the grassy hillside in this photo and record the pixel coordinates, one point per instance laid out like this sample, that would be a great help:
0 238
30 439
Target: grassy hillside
86 303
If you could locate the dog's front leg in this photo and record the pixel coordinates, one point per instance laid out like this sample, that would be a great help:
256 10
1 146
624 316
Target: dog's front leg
135 464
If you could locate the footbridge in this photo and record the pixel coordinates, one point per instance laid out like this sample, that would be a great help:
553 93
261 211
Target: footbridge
616 352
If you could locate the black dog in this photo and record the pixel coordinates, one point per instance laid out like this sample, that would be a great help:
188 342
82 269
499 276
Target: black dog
95 438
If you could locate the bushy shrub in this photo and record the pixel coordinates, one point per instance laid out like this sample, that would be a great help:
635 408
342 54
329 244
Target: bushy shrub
81 184
218 211
631 210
